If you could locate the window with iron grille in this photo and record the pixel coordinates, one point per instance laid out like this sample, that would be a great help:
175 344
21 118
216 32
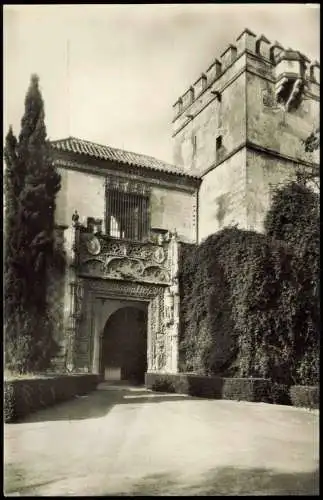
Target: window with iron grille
127 211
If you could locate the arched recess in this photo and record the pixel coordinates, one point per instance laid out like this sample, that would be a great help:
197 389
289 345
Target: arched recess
124 345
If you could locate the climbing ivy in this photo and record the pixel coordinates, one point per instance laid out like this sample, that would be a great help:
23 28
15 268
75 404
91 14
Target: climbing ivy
294 218
240 299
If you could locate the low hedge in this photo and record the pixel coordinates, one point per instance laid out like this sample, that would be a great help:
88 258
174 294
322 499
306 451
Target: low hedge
247 389
24 396
305 396
279 394
210 387
239 389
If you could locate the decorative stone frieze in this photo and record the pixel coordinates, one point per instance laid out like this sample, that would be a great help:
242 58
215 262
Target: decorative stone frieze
123 289
123 260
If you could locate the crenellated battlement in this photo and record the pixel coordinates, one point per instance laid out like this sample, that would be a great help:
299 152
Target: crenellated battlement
281 63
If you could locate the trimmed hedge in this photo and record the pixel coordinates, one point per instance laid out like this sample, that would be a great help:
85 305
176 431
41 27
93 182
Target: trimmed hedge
305 396
247 389
279 394
25 396
254 390
239 389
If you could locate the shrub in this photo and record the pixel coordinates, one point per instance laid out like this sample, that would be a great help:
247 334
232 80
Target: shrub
210 387
23 396
9 404
163 384
305 396
29 343
205 387
250 302
246 389
279 394
236 291
294 219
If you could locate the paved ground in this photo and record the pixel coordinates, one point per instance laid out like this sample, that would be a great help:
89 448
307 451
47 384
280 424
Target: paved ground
121 440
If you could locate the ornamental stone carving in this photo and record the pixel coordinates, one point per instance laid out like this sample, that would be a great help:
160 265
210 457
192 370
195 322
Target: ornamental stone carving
133 290
169 307
93 245
159 255
123 260
161 355
124 269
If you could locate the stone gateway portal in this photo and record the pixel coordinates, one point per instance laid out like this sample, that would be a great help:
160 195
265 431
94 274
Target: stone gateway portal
122 305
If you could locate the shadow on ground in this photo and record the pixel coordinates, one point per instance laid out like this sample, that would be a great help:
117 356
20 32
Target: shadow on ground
228 481
98 403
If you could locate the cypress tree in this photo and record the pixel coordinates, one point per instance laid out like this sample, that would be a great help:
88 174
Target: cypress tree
31 240
37 198
12 185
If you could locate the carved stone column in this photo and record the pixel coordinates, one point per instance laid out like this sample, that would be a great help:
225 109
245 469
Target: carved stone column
175 332
154 325
96 339
97 335
74 294
171 302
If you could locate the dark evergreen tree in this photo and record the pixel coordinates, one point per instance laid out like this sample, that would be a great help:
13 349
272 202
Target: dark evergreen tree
37 182
13 184
294 219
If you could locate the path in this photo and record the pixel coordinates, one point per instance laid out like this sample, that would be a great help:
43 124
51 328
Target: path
127 440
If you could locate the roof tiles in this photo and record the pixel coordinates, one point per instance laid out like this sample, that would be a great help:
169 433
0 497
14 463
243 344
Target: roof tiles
87 148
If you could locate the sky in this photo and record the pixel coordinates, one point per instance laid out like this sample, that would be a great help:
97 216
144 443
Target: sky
127 64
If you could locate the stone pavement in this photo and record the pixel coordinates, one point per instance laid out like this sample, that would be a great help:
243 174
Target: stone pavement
126 440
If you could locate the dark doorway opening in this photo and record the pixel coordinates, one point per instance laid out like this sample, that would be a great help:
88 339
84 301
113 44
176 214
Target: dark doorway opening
124 346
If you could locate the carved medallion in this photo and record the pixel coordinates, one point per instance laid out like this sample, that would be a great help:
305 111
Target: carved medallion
159 255
93 245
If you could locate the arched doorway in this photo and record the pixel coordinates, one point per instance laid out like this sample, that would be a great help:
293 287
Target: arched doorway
124 345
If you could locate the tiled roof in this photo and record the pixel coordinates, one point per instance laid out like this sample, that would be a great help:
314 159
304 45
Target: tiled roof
91 149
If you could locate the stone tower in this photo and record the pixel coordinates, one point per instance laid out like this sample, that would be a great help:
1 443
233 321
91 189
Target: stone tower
240 127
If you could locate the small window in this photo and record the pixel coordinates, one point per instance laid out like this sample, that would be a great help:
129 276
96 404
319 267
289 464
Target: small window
219 142
180 105
194 144
204 82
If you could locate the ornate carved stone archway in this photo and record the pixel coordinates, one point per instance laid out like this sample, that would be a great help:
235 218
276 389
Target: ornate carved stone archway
102 293
104 271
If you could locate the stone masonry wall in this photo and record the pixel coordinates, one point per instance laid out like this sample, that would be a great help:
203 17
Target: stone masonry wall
222 196
172 209
80 191
263 173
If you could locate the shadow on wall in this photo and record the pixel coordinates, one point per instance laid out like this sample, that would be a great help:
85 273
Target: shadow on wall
222 202
227 481
98 404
